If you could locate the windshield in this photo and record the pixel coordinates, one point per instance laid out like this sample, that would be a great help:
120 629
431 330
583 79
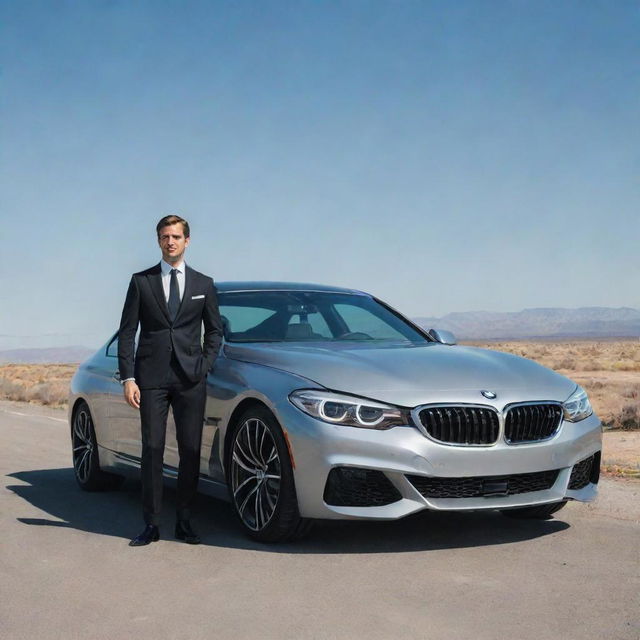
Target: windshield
297 316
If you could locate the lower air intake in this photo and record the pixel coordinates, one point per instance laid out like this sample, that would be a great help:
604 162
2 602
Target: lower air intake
351 487
483 486
584 472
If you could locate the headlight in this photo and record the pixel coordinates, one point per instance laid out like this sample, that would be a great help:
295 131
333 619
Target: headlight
577 407
340 409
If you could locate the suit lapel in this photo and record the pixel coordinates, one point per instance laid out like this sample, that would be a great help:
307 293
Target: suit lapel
155 282
188 290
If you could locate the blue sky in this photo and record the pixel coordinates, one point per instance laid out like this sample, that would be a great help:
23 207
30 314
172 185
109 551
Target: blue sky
444 156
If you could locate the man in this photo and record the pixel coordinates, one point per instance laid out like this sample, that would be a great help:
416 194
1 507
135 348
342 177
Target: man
171 302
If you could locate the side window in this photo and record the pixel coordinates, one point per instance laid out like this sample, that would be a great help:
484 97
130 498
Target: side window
112 348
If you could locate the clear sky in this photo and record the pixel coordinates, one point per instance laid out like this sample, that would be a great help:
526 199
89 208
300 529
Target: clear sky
446 156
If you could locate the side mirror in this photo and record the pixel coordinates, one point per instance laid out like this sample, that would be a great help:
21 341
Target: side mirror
442 336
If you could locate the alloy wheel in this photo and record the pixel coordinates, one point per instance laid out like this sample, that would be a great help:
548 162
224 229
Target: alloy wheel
255 473
83 448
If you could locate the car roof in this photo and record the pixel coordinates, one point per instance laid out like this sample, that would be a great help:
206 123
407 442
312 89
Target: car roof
261 285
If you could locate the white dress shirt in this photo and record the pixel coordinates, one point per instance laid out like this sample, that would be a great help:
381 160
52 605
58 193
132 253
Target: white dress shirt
165 267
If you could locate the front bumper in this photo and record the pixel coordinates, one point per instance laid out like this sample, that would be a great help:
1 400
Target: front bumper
318 447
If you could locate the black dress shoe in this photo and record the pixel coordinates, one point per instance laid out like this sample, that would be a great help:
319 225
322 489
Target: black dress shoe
186 533
151 533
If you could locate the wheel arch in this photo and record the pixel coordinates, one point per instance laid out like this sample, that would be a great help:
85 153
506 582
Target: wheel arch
242 406
72 414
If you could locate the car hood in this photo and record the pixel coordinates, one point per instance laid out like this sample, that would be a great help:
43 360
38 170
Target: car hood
409 375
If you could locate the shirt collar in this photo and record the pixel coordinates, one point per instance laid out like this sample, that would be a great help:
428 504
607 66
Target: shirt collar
165 267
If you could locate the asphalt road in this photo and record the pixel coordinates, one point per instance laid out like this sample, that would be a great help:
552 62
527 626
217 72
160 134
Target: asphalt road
67 571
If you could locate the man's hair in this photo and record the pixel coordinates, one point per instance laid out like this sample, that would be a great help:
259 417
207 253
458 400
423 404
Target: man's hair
169 220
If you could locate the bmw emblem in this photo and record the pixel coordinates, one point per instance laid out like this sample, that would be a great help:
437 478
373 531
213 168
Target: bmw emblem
488 394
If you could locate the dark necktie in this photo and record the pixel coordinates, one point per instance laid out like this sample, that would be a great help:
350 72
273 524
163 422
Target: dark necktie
174 295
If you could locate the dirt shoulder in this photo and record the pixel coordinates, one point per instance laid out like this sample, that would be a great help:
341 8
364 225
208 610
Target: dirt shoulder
618 498
621 454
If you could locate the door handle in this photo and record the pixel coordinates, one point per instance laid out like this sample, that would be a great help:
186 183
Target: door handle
116 376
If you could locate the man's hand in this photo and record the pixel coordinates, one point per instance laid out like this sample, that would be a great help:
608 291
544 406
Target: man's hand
132 393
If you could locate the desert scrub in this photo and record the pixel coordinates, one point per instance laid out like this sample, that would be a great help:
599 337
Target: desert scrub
632 392
575 355
46 384
10 390
568 364
626 365
628 418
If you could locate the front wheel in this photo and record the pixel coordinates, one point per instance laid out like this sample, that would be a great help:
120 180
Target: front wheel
541 512
260 479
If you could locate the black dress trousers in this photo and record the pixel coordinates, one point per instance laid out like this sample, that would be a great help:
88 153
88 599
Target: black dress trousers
187 399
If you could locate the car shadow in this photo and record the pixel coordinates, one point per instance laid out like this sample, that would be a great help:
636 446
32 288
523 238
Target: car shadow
117 513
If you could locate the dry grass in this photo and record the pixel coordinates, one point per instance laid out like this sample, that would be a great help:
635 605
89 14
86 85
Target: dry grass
46 384
609 370
581 355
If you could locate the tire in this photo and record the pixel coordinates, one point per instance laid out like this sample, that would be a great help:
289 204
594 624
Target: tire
84 449
260 479
541 512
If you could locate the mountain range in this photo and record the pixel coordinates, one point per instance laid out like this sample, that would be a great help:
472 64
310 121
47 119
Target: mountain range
549 323
59 355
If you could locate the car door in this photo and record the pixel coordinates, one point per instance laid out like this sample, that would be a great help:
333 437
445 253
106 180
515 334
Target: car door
104 387
124 420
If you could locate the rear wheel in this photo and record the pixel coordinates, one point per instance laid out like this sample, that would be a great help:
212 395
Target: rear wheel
260 479
540 512
86 465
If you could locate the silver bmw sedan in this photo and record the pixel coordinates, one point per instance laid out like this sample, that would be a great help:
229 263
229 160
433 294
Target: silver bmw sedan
327 403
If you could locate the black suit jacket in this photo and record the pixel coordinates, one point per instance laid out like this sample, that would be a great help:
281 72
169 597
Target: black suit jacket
145 304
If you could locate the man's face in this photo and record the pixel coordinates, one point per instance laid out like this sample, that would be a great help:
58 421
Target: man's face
172 243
